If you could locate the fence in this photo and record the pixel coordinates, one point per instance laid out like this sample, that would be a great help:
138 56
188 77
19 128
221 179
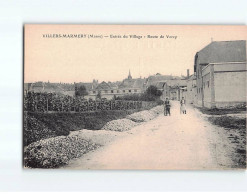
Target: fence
49 102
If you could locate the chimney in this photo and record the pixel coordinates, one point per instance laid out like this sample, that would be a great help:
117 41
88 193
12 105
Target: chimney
188 73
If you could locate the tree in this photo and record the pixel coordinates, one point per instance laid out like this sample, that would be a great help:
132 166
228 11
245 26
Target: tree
81 91
114 97
151 94
152 90
98 96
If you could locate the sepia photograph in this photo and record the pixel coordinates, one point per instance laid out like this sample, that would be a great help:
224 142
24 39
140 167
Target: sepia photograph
134 97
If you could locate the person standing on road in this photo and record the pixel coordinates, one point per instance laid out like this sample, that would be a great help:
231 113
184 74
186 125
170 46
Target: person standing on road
182 106
167 107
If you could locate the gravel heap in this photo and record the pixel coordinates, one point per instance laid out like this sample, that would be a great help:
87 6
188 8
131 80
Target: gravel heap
57 151
142 116
133 119
145 115
157 110
119 125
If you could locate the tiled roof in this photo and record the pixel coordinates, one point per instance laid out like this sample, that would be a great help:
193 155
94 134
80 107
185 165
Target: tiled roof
172 83
153 80
103 86
223 51
132 83
112 85
38 84
177 82
160 85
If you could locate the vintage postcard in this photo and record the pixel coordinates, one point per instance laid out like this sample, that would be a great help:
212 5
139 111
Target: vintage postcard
159 97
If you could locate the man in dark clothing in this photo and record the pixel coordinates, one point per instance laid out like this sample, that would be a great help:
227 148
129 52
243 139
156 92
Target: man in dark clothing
167 107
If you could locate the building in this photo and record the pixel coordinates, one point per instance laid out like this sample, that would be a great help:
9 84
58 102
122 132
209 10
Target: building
37 87
176 89
47 87
26 87
160 86
220 70
154 79
110 89
130 86
129 76
102 90
173 89
191 95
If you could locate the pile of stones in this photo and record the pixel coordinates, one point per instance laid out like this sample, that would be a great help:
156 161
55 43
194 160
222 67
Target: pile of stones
133 120
119 125
57 151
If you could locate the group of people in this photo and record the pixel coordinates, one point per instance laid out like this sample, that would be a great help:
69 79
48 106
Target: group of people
167 107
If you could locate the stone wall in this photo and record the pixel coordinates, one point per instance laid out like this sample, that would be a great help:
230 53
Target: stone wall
224 84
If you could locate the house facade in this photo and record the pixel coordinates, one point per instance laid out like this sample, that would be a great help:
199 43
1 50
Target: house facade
108 89
191 95
37 87
220 70
175 89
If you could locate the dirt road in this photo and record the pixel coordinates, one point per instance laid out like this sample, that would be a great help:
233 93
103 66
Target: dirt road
167 142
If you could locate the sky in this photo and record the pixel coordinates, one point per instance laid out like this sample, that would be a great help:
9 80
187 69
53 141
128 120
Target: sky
83 59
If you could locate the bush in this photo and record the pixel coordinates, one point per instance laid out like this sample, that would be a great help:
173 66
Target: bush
35 130
159 102
151 94
130 97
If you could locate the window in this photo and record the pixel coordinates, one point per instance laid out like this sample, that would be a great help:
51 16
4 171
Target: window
123 91
130 91
111 91
208 83
94 91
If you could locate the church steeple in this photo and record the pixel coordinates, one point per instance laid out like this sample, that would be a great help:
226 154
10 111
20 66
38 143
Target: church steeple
129 77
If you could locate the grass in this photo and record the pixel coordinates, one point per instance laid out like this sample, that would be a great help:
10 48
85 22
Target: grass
236 133
229 122
235 129
217 111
